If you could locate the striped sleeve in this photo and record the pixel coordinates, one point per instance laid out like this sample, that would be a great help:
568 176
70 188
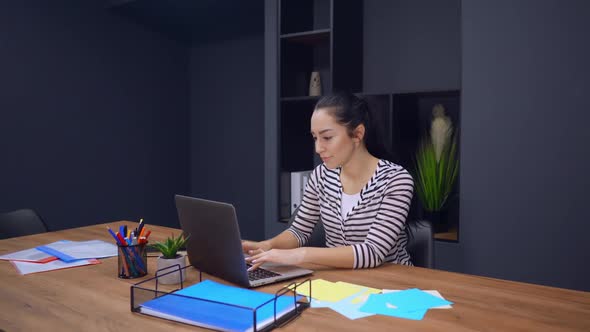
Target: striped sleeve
308 213
389 222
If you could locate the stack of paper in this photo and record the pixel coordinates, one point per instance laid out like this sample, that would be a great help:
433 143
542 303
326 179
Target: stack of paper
217 306
410 304
356 301
60 255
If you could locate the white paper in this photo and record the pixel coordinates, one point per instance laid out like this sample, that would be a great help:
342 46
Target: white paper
85 249
28 268
431 292
27 255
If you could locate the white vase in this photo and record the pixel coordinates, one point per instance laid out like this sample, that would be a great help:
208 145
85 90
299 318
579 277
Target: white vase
315 84
170 276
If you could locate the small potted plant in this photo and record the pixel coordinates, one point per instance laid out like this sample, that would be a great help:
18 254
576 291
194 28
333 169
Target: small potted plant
170 256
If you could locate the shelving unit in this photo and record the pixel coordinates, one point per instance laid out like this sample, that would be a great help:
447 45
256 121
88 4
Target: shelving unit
314 35
327 36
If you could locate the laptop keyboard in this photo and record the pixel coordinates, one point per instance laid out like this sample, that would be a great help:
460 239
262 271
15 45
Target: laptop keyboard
260 274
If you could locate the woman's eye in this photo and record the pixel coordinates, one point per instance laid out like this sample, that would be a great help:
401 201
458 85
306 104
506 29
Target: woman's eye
328 138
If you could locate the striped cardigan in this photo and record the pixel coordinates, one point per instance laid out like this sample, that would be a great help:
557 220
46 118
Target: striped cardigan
375 228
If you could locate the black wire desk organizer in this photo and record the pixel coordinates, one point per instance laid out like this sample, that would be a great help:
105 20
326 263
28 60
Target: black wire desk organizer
150 289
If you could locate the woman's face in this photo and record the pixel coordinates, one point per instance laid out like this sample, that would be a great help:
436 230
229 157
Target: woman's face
332 142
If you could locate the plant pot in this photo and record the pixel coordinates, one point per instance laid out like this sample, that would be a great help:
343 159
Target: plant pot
170 275
439 220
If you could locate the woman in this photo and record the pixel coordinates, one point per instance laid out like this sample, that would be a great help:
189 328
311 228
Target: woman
361 199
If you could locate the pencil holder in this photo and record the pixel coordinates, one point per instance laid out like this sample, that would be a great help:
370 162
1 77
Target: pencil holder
132 261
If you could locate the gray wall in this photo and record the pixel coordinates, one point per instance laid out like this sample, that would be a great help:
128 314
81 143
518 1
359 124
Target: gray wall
93 114
524 177
227 127
411 46
522 68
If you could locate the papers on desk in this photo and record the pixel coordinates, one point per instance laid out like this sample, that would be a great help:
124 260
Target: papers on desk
69 251
29 255
323 290
431 292
410 304
356 301
28 268
213 305
60 255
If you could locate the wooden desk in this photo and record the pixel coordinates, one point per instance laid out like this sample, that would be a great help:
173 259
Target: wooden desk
92 298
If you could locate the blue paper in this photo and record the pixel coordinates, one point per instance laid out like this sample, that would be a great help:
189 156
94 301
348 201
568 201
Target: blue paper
319 304
344 307
191 309
376 305
412 299
350 310
409 304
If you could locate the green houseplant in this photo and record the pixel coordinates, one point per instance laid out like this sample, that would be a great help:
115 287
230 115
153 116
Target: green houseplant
436 167
435 179
170 257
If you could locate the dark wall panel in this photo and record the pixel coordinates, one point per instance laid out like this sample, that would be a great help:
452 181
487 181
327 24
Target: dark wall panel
93 115
414 46
524 180
411 46
521 67
227 127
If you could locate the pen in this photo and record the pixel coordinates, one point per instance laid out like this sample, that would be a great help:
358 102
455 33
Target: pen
140 228
113 235
122 239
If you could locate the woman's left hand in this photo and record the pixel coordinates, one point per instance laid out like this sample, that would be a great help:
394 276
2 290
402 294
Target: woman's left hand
280 256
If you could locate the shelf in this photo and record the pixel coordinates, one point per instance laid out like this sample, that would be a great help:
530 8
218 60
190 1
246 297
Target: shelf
304 15
450 236
322 37
308 37
299 60
301 98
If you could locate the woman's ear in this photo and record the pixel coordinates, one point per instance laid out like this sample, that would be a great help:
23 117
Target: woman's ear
358 133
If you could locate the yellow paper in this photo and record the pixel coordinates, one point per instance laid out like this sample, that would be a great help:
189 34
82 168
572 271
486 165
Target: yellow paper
323 290
366 291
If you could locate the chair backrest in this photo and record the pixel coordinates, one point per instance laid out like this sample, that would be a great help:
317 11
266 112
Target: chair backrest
21 222
318 235
421 243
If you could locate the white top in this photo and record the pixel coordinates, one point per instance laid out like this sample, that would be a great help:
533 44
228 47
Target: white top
348 202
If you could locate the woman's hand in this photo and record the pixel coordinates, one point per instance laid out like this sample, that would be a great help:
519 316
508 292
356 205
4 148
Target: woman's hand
281 256
253 247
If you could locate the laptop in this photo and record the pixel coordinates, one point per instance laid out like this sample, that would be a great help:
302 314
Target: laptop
215 245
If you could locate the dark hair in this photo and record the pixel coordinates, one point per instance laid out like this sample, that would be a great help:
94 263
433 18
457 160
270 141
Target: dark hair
351 111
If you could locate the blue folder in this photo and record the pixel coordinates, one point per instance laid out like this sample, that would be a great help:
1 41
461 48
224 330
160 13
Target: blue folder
188 306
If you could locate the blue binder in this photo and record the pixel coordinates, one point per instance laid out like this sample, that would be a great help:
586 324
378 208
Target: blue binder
232 310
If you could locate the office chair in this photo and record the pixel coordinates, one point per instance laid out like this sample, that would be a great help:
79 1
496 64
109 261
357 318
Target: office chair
421 243
21 222
318 235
